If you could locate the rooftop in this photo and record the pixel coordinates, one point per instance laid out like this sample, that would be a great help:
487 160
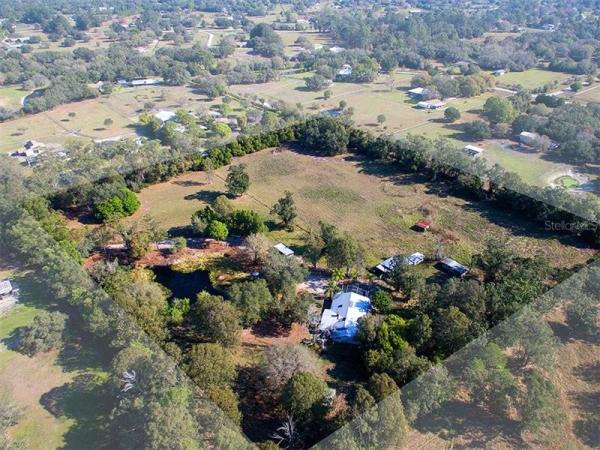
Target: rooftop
341 319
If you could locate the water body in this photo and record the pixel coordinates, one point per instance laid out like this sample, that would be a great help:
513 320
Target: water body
184 285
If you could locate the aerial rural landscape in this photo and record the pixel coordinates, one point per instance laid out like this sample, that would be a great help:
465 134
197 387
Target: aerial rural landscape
273 224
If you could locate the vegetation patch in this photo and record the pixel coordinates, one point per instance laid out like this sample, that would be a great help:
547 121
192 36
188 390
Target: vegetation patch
568 182
332 194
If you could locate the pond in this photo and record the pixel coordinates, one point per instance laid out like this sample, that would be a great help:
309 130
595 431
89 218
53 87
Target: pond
184 285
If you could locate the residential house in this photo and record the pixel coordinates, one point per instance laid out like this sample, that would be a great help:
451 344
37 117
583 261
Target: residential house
345 71
529 138
340 320
499 73
418 93
431 104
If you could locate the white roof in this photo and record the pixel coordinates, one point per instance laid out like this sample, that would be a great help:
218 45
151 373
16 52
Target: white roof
417 91
412 260
165 115
336 49
286 251
5 287
528 134
471 149
342 318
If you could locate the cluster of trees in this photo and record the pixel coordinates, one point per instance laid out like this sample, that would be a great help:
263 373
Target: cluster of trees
444 86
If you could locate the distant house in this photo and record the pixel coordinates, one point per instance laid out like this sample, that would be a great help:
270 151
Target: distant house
498 73
341 319
345 71
165 115
423 225
529 138
418 93
452 267
6 288
139 82
388 265
473 151
335 49
549 27
284 250
431 104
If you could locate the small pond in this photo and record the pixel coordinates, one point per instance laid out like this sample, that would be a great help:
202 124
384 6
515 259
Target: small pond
184 285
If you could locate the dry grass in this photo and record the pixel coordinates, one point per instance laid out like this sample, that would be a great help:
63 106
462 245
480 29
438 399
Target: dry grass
375 205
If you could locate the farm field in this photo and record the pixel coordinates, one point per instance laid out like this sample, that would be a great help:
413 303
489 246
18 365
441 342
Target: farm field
532 78
123 107
589 94
365 199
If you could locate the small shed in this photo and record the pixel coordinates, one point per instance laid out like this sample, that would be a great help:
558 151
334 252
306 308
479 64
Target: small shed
418 92
423 225
431 104
165 115
5 288
284 250
453 267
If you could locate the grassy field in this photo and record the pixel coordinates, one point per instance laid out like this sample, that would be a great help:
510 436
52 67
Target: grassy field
532 78
10 97
375 205
59 409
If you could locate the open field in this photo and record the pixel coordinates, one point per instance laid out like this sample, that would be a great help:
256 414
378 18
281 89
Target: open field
589 94
532 78
368 200
48 386
10 97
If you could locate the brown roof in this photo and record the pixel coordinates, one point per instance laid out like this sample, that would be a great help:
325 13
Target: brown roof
423 224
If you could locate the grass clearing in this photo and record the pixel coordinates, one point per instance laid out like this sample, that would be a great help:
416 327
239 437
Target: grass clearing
10 97
532 78
368 200
567 182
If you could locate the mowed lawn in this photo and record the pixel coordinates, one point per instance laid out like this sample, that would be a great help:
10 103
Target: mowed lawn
532 78
375 205
10 97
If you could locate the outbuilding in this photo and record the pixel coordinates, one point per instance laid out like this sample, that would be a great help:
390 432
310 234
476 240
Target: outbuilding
423 225
284 250
473 151
453 267
431 104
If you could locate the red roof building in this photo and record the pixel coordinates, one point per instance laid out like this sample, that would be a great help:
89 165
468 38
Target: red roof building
423 225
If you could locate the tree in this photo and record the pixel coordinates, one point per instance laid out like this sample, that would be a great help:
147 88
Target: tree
452 114
382 301
303 393
253 299
499 110
217 320
313 247
283 273
210 365
343 104
478 130
282 361
343 252
576 86
122 204
316 83
108 122
246 222
238 180
381 386
584 314
222 129
451 330
258 246
541 407
327 94
217 230
285 209
381 119
44 334
325 135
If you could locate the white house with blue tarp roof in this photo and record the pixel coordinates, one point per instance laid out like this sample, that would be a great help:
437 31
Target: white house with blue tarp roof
341 319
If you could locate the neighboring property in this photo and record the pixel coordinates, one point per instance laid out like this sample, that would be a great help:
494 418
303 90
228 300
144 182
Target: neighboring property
431 104
29 153
498 73
418 93
8 295
345 71
473 151
284 250
165 115
529 138
335 49
140 82
423 225
340 321
453 267
388 265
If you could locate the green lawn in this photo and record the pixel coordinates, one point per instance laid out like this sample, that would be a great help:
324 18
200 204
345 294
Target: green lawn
568 182
10 97
532 78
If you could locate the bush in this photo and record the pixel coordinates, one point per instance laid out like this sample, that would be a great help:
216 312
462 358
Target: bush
452 114
382 301
478 130
217 230
124 203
